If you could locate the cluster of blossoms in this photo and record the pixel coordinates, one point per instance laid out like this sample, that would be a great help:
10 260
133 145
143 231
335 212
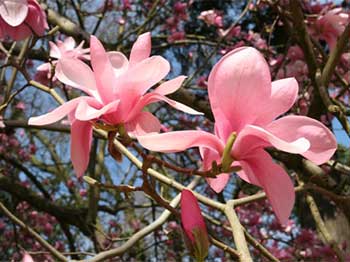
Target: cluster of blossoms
19 19
258 218
174 24
41 222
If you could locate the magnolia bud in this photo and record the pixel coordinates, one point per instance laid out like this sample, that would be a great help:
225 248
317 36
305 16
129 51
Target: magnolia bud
196 235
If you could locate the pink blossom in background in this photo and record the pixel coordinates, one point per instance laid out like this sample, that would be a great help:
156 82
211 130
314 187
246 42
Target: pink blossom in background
27 258
329 26
245 101
116 89
195 230
19 19
211 17
175 36
296 66
63 49
2 125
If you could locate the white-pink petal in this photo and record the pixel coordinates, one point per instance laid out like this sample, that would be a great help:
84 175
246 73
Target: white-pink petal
119 62
14 12
55 52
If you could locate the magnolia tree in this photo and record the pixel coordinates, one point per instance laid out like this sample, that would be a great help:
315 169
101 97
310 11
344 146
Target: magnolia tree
199 130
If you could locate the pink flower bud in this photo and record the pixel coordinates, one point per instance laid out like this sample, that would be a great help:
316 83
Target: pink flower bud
196 235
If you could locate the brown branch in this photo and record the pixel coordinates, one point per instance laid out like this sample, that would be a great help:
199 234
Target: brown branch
321 227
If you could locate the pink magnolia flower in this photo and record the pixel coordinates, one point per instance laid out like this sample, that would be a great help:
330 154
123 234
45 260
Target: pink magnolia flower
244 101
196 234
65 49
116 91
20 18
211 17
330 26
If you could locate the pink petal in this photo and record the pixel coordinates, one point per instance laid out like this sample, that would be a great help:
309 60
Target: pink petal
14 12
27 258
283 95
55 52
36 18
170 86
219 183
92 110
275 181
322 142
252 137
75 73
239 86
143 124
44 67
209 156
179 141
103 70
141 49
143 75
69 43
56 114
119 62
155 97
81 137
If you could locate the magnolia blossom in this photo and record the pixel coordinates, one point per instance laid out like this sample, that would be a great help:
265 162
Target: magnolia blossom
211 17
330 26
18 19
63 49
116 89
196 234
245 102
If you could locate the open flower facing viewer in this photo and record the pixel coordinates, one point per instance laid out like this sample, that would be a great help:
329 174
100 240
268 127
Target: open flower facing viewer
245 104
116 89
